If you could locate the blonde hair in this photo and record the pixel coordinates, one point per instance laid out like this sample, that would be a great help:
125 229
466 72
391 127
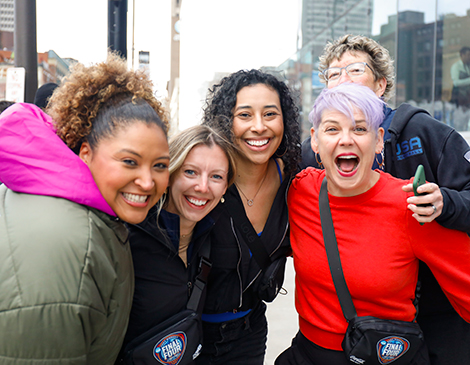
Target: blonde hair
183 142
379 58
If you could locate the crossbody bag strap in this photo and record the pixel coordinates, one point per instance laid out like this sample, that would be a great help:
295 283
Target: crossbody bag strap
332 252
205 265
249 234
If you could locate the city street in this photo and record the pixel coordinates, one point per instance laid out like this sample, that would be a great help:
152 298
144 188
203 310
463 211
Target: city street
282 318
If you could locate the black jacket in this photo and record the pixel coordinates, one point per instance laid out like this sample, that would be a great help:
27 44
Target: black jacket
234 272
417 138
162 282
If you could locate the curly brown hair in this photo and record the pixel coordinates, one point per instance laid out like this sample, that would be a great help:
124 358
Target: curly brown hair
379 57
89 96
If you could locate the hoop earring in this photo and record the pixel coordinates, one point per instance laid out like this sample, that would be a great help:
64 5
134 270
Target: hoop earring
382 163
276 154
320 164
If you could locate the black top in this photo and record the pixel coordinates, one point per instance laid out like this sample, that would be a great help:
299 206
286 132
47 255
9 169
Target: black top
162 281
234 272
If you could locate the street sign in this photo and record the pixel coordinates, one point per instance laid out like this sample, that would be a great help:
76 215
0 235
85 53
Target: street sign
15 84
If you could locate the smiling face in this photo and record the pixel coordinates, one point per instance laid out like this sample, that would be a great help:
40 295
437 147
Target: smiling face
258 123
130 169
347 152
366 79
197 187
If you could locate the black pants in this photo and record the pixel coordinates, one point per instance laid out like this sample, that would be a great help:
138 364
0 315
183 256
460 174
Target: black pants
241 341
448 338
305 352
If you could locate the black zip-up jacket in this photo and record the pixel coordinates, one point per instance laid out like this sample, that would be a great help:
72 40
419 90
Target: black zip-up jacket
162 282
417 138
234 272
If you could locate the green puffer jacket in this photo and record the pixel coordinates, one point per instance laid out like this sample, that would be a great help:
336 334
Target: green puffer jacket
66 274
66 280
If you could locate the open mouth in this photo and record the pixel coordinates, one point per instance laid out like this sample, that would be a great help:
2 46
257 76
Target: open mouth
257 142
347 163
134 198
197 202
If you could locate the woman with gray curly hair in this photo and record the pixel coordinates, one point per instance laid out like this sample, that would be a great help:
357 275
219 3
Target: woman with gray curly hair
412 137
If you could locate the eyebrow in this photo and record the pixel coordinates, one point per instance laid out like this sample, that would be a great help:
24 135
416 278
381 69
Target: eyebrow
250 107
125 150
194 166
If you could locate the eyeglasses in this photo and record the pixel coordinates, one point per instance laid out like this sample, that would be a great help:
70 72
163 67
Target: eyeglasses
353 70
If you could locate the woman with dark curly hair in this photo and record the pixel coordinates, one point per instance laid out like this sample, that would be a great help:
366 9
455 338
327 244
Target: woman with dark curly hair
257 113
71 179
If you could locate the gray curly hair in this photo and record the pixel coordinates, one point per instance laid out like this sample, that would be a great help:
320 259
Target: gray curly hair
379 57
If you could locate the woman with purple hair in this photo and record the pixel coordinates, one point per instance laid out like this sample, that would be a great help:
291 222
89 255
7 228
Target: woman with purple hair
379 256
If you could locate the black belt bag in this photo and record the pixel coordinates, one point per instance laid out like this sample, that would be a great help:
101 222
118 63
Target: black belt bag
177 340
369 340
271 280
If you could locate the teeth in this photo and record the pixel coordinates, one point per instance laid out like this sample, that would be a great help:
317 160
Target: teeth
197 202
347 157
257 143
135 198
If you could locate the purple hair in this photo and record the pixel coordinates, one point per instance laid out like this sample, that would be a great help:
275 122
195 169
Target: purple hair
344 98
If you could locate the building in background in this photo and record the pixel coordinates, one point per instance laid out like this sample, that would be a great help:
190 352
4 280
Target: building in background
328 19
322 21
7 24
424 39
51 68
174 83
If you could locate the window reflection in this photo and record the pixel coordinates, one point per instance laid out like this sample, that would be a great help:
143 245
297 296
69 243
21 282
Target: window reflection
455 65
425 38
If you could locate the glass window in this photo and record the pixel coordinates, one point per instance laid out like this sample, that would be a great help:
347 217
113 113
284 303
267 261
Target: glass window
453 71
323 21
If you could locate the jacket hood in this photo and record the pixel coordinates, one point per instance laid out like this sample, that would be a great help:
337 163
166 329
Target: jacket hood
401 118
34 160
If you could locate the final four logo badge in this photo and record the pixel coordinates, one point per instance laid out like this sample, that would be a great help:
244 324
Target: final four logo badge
170 349
391 348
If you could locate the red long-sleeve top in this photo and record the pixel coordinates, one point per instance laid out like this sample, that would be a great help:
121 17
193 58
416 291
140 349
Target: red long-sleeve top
379 244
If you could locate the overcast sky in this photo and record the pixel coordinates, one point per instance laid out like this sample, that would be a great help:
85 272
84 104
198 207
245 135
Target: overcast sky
216 35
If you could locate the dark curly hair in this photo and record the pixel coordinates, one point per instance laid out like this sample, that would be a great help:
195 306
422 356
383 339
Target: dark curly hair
221 101
93 102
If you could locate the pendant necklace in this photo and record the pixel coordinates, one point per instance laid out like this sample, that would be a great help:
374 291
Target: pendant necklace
250 202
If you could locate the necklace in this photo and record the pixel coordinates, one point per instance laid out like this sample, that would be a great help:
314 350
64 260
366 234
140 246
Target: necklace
186 235
251 201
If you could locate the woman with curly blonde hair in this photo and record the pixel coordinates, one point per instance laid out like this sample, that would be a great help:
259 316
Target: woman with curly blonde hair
72 178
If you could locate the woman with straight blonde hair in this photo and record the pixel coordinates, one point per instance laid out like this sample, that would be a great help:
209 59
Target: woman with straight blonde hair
167 247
